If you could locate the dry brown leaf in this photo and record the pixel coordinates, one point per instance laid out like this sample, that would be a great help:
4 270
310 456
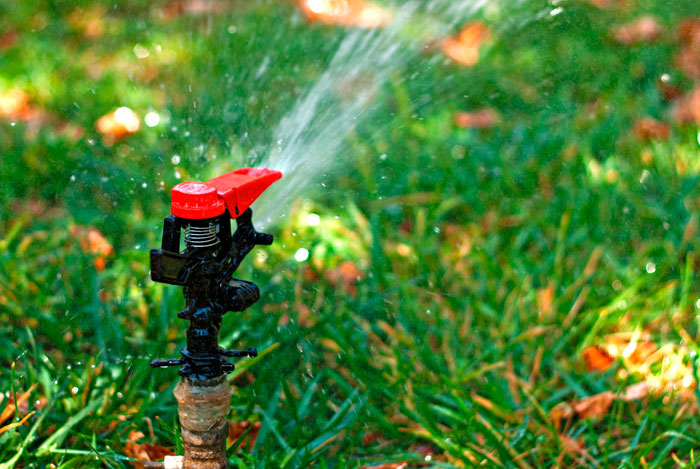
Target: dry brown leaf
688 57
14 105
118 125
686 110
136 451
177 8
20 405
481 119
156 452
643 30
237 429
463 48
545 297
594 406
597 359
401 465
597 405
8 39
358 13
89 22
370 438
16 424
648 129
93 242
609 3
347 275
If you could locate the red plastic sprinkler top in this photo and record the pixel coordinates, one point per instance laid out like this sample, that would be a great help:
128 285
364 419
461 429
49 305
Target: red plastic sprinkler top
196 200
241 187
236 191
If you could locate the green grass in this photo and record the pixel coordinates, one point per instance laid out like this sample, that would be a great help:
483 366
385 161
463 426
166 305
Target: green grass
444 348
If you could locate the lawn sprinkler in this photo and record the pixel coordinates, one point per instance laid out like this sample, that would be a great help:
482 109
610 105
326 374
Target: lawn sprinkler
204 268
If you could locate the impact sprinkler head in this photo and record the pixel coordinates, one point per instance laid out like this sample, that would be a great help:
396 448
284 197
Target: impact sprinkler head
205 265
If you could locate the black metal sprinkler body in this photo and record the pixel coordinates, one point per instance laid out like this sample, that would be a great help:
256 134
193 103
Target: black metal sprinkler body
205 267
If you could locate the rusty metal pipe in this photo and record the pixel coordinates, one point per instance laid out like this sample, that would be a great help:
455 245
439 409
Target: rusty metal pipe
202 406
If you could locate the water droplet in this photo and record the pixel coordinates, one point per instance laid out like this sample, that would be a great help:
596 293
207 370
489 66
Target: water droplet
72 178
313 219
140 51
144 185
301 255
650 267
74 390
175 159
152 119
232 29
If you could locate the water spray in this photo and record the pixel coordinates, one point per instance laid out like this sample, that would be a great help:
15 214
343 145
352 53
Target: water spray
205 268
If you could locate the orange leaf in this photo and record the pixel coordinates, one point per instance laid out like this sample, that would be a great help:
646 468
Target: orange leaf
12 406
118 125
686 110
15 105
597 359
155 452
481 119
463 47
236 429
648 129
17 424
645 29
688 58
357 13
347 275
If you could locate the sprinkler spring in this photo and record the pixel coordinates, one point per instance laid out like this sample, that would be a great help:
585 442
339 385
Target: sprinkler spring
206 264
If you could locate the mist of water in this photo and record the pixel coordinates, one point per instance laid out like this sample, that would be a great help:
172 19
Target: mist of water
310 138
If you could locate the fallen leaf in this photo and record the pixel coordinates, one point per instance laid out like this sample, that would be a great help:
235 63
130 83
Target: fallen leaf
401 465
597 405
597 359
686 110
118 125
13 406
156 452
8 39
463 48
545 297
237 429
649 129
370 438
604 4
16 424
177 8
89 22
358 13
347 274
93 242
15 105
643 30
688 57
480 119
